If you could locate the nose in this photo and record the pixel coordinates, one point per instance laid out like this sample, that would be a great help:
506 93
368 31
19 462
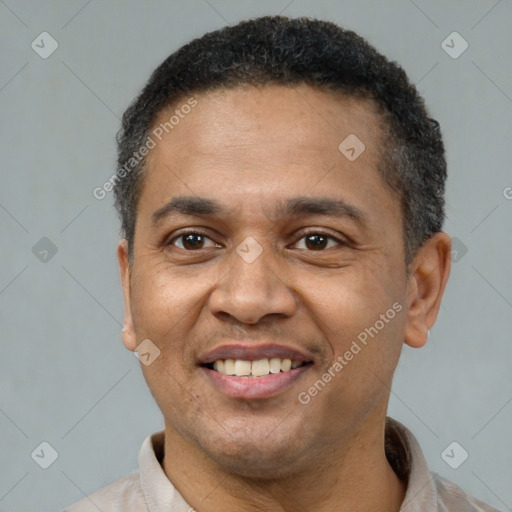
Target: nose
251 290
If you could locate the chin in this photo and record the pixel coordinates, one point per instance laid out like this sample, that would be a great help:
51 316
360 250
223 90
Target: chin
253 454
252 461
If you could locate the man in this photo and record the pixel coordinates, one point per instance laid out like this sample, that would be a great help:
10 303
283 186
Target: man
281 192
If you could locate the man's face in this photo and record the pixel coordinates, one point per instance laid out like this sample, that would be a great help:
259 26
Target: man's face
298 251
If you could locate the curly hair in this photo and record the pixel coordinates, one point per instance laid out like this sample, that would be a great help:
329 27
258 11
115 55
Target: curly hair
280 50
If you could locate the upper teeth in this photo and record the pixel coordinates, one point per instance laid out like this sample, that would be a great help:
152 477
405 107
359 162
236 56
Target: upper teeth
259 368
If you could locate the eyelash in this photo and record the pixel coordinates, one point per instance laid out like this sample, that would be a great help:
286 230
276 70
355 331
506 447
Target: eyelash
311 232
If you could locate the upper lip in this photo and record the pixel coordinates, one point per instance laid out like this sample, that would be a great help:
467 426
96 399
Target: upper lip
248 351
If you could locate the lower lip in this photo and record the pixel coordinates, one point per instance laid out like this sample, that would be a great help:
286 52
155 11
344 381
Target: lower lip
257 388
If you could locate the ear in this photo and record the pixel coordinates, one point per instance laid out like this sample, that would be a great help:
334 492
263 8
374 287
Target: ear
428 275
128 332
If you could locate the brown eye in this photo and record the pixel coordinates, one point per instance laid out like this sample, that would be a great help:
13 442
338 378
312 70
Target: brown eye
319 241
191 241
315 242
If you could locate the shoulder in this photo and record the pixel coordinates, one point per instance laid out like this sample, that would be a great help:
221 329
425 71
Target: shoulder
120 495
451 497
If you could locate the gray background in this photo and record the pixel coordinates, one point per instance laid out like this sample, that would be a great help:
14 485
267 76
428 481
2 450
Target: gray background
65 377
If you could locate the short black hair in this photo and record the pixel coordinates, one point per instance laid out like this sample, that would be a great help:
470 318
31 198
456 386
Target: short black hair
279 50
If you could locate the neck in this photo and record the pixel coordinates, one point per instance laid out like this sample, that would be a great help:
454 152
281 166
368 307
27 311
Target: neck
353 476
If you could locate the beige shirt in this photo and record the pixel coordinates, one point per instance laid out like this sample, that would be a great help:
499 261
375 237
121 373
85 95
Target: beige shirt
149 489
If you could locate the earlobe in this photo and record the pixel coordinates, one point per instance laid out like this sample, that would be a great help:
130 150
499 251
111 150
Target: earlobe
429 272
128 333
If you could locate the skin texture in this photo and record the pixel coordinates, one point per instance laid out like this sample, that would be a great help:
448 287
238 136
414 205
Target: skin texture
251 149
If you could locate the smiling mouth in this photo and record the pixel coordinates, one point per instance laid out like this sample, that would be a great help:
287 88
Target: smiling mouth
259 368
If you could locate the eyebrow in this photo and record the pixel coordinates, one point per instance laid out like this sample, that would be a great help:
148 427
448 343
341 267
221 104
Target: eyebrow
295 207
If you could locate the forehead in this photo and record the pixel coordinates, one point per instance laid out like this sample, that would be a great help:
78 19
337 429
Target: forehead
263 145
299 117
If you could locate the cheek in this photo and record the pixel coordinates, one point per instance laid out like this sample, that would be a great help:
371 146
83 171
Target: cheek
165 307
161 309
162 299
168 307
362 317
346 304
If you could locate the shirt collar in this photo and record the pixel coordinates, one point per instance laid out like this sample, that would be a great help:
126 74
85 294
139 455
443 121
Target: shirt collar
159 492
407 460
